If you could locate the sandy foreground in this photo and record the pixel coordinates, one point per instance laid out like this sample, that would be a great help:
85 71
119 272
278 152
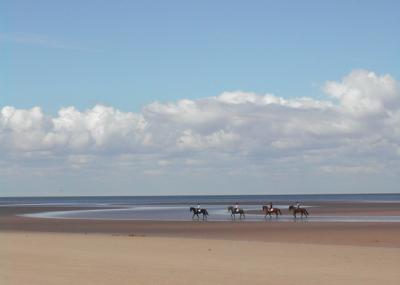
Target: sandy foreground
65 258
50 251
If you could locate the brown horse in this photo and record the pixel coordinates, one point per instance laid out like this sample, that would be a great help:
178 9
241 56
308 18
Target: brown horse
269 211
234 212
196 212
301 211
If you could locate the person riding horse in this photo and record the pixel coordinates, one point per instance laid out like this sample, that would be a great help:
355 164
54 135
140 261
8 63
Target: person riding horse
235 210
270 209
297 209
197 211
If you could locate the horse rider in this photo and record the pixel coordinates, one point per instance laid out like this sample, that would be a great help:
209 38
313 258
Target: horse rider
298 205
270 207
237 207
198 207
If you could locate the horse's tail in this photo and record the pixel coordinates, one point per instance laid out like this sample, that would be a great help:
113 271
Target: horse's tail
205 212
279 211
305 210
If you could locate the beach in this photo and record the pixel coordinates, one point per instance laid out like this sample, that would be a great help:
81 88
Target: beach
66 251
54 258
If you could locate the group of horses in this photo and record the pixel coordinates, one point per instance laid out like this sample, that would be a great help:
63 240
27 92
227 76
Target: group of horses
266 209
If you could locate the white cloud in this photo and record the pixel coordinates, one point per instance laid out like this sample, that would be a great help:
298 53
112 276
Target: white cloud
358 125
344 169
364 93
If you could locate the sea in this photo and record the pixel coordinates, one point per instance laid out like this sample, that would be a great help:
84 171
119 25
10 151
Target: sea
176 208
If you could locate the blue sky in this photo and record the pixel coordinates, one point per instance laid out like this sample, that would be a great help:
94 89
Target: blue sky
130 53
199 97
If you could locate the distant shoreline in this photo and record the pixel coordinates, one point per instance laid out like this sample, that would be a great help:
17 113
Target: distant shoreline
205 195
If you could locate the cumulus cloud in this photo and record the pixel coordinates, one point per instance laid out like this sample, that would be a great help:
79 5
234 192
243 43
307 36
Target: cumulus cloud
358 125
365 93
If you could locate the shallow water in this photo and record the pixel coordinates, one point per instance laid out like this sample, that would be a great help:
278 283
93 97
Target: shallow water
181 213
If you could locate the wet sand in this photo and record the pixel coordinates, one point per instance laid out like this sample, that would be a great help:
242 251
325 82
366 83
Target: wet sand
298 231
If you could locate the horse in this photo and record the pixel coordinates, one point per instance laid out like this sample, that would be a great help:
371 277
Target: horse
196 212
234 212
295 210
269 212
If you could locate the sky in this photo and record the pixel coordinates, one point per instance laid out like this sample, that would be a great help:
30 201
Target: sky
199 97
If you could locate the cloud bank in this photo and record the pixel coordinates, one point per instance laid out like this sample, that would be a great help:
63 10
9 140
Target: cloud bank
356 129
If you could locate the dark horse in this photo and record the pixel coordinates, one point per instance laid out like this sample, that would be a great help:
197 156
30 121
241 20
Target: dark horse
301 211
269 212
196 212
233 212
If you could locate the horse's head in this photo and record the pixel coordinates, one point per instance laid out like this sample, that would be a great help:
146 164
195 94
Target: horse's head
192 209
230 209
291 207
265 208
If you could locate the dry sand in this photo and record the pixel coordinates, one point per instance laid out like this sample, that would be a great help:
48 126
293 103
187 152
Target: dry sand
62 258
